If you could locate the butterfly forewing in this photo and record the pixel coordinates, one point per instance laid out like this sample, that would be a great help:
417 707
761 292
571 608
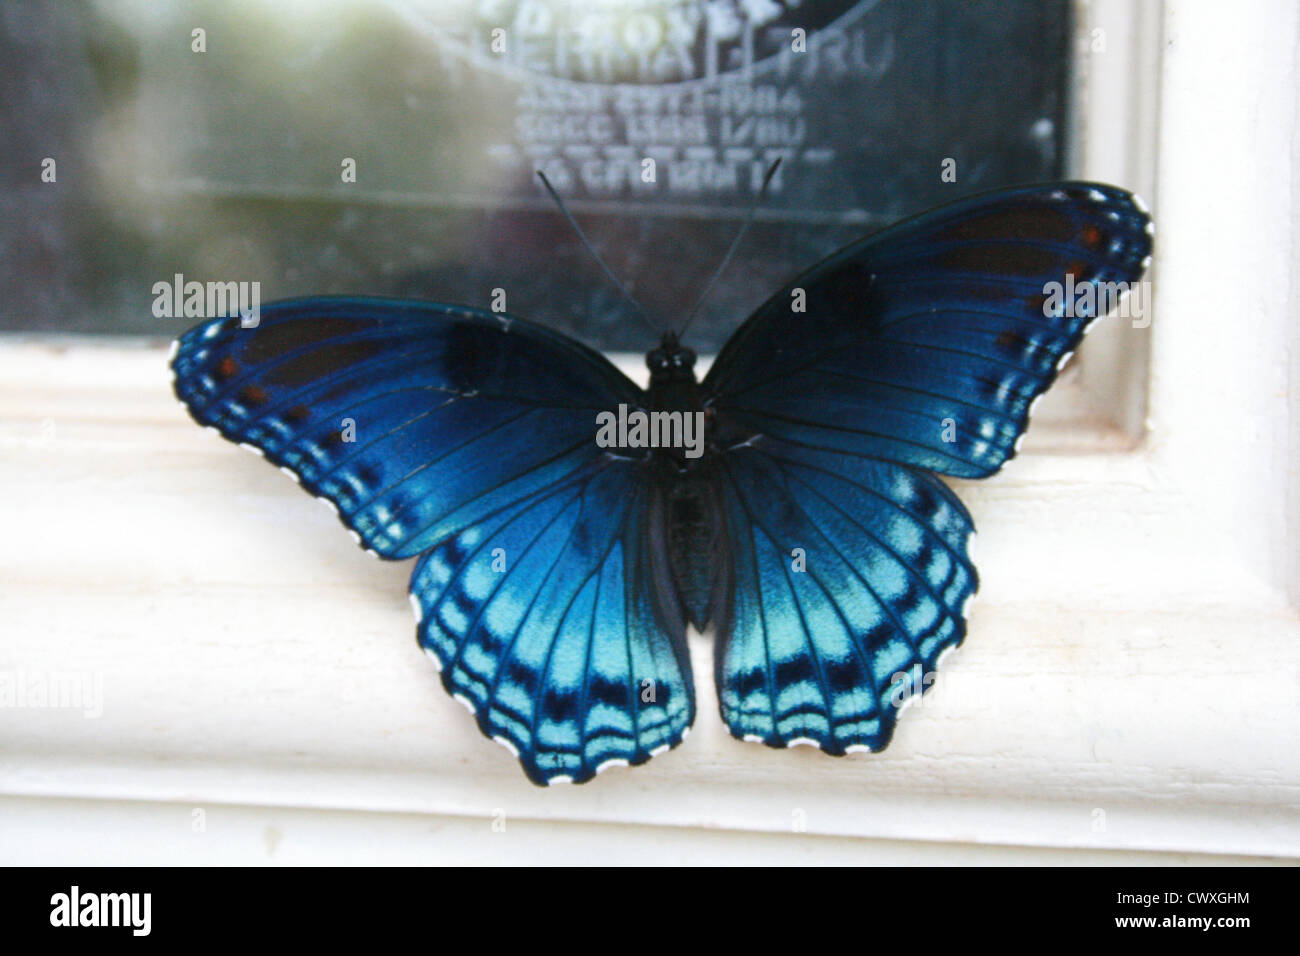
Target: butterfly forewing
927 343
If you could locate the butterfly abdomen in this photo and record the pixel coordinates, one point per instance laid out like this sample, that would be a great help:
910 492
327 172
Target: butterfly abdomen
696 544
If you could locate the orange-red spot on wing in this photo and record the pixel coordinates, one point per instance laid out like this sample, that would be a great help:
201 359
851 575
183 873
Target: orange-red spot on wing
226 368
252 395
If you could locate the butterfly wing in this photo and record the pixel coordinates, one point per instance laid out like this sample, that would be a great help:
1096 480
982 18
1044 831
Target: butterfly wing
921 349
851 578
927 343
412 419
548 625
469 436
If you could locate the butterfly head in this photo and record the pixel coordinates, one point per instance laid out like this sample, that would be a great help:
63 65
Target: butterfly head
671 361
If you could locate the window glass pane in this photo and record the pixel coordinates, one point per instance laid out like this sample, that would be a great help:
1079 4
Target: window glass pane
229 163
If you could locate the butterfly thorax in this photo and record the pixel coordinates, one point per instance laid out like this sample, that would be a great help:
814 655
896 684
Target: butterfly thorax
673 388
670 362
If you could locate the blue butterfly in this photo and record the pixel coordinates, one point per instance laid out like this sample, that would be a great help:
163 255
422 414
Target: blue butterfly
557 573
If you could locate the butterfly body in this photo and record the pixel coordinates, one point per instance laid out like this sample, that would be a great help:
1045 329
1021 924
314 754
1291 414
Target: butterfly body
803 524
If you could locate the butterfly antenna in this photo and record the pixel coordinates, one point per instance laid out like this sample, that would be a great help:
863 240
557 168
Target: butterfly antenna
735 244
595 255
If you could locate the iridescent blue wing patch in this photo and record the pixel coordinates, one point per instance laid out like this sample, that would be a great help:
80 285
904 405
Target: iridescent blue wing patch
851 582
927 343
544 622
465 434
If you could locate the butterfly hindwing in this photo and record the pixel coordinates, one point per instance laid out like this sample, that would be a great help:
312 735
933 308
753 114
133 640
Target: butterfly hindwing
851 581
543 620
927 343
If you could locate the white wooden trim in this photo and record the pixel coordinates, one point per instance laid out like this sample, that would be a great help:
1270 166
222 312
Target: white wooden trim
1118 58
60 832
